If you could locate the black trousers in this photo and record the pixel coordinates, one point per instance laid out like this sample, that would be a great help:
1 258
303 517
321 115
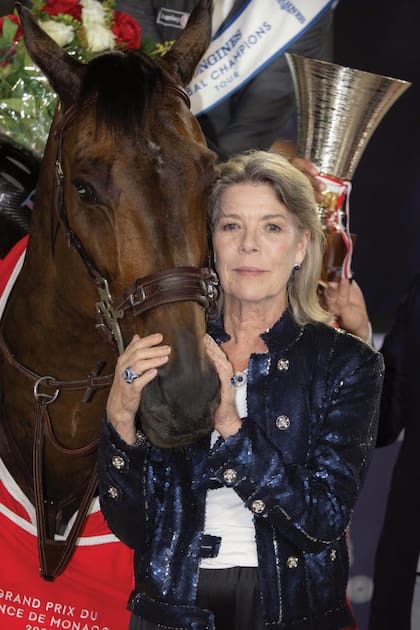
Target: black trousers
233 596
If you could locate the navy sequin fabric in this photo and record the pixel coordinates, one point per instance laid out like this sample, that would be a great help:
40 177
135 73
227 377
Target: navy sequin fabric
299 462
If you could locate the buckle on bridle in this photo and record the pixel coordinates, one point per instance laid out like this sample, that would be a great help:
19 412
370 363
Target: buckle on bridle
134 299
108 315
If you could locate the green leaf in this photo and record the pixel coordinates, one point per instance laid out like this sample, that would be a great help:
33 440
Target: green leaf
8 33
11 103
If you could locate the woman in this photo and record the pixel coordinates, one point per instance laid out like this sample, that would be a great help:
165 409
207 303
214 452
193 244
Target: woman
247 529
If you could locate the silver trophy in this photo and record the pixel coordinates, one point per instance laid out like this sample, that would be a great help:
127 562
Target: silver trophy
338 110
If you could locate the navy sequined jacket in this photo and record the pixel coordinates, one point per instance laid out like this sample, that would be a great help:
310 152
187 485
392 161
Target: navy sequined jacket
298 464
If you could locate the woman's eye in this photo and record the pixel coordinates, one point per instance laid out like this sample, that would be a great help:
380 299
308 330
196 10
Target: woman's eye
86 193
272 227
227 227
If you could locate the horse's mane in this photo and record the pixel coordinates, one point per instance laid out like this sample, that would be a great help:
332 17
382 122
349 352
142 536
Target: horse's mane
124 85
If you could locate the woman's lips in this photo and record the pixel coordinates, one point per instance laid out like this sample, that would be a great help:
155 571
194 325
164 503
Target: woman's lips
249 271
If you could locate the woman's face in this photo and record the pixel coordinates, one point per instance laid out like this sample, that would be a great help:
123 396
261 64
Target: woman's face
256 244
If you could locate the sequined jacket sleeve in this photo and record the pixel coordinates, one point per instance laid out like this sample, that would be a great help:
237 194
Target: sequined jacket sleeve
300 458
120 476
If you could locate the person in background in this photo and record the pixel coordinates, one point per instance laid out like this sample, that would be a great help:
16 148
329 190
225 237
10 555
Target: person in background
246 529
261 111
396 595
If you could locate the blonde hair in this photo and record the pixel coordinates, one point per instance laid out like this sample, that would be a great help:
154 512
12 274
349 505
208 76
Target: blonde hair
294 190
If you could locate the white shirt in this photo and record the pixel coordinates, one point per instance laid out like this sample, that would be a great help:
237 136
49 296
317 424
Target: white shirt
227 517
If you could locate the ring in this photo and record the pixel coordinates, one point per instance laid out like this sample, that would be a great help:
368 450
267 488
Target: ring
129 375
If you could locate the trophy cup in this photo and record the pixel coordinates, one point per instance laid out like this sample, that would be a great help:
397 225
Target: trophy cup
338 110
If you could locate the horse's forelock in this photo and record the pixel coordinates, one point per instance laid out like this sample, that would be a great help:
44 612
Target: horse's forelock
124 84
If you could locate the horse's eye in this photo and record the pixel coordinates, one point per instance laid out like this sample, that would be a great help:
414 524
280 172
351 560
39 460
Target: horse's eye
86 193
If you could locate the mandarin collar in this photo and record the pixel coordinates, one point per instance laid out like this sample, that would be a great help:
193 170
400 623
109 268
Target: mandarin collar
283 334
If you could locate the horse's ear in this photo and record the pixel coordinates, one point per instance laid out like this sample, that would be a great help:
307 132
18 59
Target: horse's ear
63 72
192 43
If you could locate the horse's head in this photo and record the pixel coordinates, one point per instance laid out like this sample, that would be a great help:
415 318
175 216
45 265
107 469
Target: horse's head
130 198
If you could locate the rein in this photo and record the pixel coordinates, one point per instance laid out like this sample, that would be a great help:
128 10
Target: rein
164 287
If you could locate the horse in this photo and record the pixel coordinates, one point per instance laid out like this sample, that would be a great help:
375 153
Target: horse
118 245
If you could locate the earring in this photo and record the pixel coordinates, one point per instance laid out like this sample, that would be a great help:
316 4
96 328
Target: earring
296 267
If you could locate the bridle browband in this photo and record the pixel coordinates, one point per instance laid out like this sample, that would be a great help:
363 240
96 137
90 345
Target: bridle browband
164 287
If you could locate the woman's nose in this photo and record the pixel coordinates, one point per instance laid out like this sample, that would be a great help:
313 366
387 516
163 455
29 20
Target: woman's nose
249 242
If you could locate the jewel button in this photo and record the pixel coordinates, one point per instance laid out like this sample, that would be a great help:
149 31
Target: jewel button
283 422
258 506
292 562
113 492
230 475
118 462
283 365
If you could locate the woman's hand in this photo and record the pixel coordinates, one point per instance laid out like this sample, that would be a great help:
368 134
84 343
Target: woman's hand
143 356
226 419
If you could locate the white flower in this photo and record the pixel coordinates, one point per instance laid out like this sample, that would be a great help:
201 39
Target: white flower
61 33
99 38
92 12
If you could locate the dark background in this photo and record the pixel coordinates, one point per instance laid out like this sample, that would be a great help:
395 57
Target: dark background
383 37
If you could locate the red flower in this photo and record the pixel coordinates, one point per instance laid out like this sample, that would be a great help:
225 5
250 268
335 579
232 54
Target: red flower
71 7
15 19
127 30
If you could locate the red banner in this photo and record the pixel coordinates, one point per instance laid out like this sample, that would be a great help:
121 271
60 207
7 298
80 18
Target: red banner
92 592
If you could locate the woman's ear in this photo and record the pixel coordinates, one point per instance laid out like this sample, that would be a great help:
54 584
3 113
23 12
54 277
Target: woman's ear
304 239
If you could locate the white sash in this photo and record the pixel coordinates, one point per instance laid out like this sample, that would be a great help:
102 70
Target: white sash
260 31
221 9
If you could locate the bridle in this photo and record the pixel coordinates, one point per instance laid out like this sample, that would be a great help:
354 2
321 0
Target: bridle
164 287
